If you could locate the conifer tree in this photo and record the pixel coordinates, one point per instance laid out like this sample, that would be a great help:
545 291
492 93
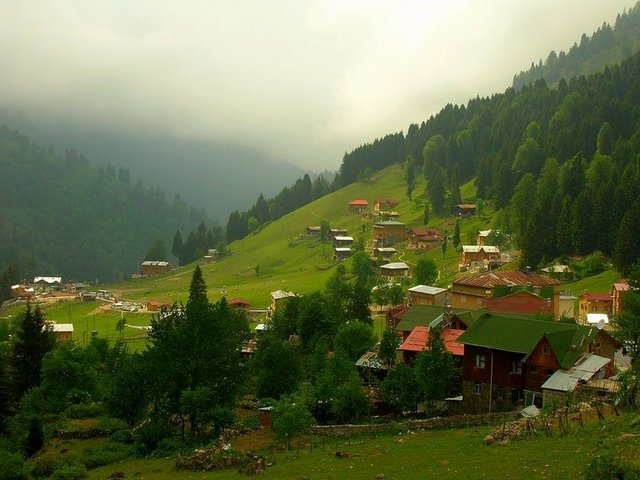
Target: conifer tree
33 340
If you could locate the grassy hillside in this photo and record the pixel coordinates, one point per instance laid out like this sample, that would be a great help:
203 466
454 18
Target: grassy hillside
277 257
450 454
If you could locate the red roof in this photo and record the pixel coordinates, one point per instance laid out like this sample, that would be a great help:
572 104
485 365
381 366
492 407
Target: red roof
238 302
419 336
359 202
621 286
596 297
507 277
398 312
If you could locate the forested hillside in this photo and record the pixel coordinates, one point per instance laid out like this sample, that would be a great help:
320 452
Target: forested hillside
606 46
561 154
62 216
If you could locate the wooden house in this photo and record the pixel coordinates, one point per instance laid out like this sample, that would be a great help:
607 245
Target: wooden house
156 306
568 306
423 238
155 267
383 204
426 295
338 232
239 304
507 291
278 298
394 271
617 291
482 236
465 209
63 331
590 303
358 206
417 341
342 241
342 253
508 357
387 234
313 231
384 252
47 282
479 257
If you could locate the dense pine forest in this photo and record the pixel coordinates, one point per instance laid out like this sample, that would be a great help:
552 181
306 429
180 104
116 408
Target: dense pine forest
62 216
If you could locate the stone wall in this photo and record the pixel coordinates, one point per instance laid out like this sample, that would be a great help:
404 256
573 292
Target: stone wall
456 421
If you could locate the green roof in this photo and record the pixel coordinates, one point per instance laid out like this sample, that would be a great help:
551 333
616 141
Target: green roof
424 315
513 333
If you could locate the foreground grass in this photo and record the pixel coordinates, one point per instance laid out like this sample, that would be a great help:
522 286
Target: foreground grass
454 454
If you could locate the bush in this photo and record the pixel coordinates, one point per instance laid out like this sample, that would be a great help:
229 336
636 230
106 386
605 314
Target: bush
610 468
70 472
12 466
84 410
107 454
167 447
45 467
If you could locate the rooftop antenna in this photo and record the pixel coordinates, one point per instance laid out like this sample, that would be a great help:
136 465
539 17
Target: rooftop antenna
601 323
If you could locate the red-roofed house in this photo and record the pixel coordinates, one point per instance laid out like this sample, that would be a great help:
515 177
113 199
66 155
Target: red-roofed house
382 204
594 303
617 290
424 238
239 304
419 337
358 206
395 314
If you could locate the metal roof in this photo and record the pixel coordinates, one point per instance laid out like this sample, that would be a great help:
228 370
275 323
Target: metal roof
427 289
478 248
585 368
48 279
395 266
278 294
419 337
62 327
505 277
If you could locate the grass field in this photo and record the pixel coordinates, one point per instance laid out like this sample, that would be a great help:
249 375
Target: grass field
446 454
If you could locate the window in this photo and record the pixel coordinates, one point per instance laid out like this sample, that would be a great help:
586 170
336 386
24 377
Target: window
516 367
463 299
476 388
546 349
500 392
480 361
533 369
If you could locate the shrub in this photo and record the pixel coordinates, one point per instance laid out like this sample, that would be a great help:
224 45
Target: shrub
84 410
608 467
167 447
107 454
45 467
70 472
12 466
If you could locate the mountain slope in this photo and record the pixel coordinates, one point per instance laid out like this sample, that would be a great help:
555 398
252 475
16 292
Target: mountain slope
62 216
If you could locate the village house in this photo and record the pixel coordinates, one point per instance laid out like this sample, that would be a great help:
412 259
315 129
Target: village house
418 340
156 306
384 252
482 236
22 292
383 204
388 233
465 209
63 332
278 299
358 206
427 295
617 291
432 315
423 238
47 282
342 253
510 357
568 306
479 258
559 271
395 315
155 267
342 241
394 271
594 303
508 291
313 231
338 232
239 304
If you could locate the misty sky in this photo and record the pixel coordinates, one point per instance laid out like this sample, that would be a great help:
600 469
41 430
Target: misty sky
304 81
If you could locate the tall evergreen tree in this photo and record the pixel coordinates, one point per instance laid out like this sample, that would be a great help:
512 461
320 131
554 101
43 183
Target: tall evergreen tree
33 340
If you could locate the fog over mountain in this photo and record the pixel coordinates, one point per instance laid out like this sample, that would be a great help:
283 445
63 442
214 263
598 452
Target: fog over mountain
256 83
